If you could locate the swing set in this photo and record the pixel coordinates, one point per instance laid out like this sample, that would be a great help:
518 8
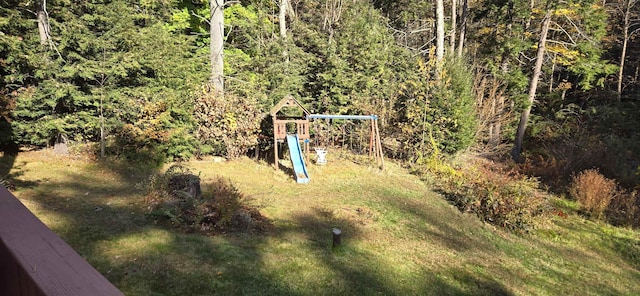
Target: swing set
301 134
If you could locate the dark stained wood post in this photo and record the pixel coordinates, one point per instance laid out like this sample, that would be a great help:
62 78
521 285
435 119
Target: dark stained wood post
34 261
275 141
337 233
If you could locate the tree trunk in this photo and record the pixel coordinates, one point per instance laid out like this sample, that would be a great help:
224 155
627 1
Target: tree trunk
454 15
532 5
439 32
282 20
553 69
332 14
463 26
43 24
621 70
535 77
283 31
102 136
625 42
216 31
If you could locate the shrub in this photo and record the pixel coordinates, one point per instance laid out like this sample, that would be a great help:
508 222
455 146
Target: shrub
593 191
176 197
568 137
161 130
229 125
496 195
624 209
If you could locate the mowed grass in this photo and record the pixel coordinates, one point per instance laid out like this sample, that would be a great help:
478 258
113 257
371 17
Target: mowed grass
399 237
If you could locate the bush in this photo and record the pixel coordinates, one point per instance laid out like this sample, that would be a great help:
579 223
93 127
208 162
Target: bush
228 125
572 135
593 191
176 197
624 209
496 195
160 131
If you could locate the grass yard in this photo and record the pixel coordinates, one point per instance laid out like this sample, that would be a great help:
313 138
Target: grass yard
399 237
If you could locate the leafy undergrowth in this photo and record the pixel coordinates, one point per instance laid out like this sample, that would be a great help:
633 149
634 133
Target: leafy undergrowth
399 237
492 191
177 197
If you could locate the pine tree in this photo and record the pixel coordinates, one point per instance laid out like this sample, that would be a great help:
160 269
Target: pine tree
109 62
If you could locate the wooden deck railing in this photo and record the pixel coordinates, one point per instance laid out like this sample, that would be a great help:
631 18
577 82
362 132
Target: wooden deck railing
34 261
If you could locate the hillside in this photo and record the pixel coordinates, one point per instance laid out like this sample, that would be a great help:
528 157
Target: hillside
399 237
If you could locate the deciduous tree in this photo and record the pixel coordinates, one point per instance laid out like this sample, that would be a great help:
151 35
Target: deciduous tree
533 86
282 17
439 32
463 26
575 30
216 33
629 28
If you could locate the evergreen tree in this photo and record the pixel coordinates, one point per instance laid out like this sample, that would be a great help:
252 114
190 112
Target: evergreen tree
109 61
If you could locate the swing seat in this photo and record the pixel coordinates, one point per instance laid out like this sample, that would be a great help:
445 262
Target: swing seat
321 153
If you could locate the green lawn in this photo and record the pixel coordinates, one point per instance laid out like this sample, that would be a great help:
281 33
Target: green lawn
399 237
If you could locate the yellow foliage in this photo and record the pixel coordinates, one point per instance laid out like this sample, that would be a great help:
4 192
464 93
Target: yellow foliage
593 191
564 56
434 162
422 67
564 11
537 11
564 85
230 120
485 31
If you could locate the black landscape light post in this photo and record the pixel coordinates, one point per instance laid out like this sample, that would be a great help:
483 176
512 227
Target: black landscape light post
336 237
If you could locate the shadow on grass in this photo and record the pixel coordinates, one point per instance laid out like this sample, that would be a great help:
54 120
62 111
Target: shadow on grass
288 171
628 249
106 222
12 173
473 285
188 264
435 223
353 271
130 172
625 247
357 271
558 266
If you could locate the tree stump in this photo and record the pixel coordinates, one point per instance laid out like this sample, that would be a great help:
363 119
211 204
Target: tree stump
184 184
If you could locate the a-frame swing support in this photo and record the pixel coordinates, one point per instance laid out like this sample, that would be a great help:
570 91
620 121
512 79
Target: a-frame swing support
302 128
375 143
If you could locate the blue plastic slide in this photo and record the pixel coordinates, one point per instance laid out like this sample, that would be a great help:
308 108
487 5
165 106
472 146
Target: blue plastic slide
302 177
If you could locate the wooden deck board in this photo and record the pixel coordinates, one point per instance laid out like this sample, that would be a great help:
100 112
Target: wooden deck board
36 261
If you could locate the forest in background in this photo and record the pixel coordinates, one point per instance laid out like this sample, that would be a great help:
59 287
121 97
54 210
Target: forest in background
138 78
